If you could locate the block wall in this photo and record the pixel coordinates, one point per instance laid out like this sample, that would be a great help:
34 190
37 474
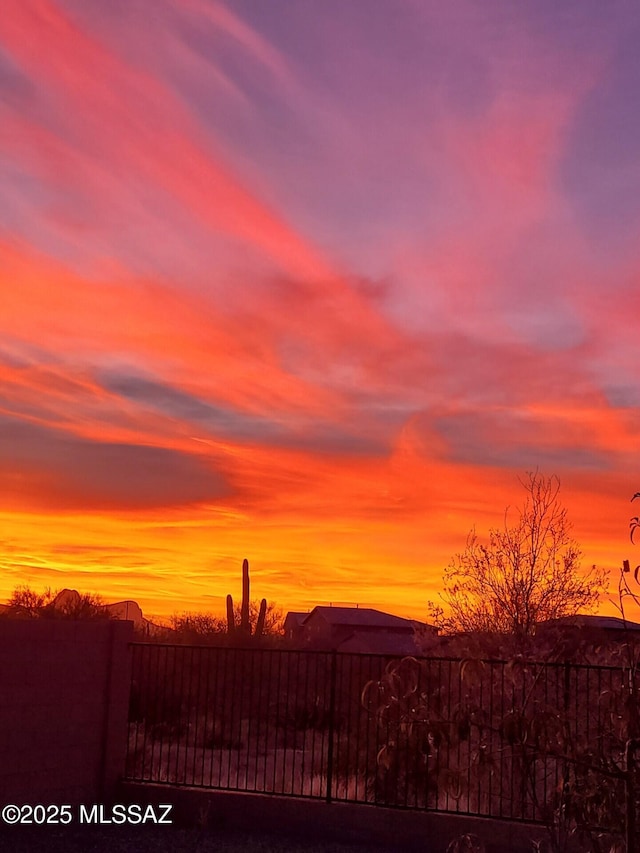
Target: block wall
64 693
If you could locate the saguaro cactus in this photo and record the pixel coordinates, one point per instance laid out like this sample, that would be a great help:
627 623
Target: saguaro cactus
245 625
231 624
261 617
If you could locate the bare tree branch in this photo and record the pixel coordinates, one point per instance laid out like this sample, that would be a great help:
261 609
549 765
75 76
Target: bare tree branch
528 572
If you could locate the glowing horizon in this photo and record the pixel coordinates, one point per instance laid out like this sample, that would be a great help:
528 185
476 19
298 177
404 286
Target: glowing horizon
311 286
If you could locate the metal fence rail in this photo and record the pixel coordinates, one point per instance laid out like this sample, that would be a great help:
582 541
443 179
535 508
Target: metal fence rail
489 738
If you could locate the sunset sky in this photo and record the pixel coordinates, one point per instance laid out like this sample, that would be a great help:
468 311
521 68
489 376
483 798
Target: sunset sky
312 283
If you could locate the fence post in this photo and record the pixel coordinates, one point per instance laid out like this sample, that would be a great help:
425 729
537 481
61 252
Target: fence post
332 720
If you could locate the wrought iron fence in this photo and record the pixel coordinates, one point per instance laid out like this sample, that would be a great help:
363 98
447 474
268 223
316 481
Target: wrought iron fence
514 740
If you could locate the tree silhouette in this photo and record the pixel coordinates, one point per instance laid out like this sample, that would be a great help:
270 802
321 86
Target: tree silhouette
624 589
195 627
27 603
528 572
634 524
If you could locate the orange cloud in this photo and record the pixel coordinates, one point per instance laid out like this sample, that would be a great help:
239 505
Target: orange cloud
254 398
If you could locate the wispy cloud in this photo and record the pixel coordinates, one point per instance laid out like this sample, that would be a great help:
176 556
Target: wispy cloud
312 288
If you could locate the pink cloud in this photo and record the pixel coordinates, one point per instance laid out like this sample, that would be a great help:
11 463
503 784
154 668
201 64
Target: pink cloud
353 422
132 122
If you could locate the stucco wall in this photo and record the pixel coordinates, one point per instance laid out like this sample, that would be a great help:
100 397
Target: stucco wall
64 691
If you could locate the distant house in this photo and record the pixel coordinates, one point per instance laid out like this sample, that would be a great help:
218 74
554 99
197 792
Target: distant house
127 610
69 603
70 599
375 643
352 629
293 630
592 622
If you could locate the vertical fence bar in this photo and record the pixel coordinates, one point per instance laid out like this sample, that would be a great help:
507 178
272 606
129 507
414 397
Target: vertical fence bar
186 726
332 723
205 722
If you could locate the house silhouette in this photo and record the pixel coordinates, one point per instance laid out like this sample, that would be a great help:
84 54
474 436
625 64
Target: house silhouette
352 629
